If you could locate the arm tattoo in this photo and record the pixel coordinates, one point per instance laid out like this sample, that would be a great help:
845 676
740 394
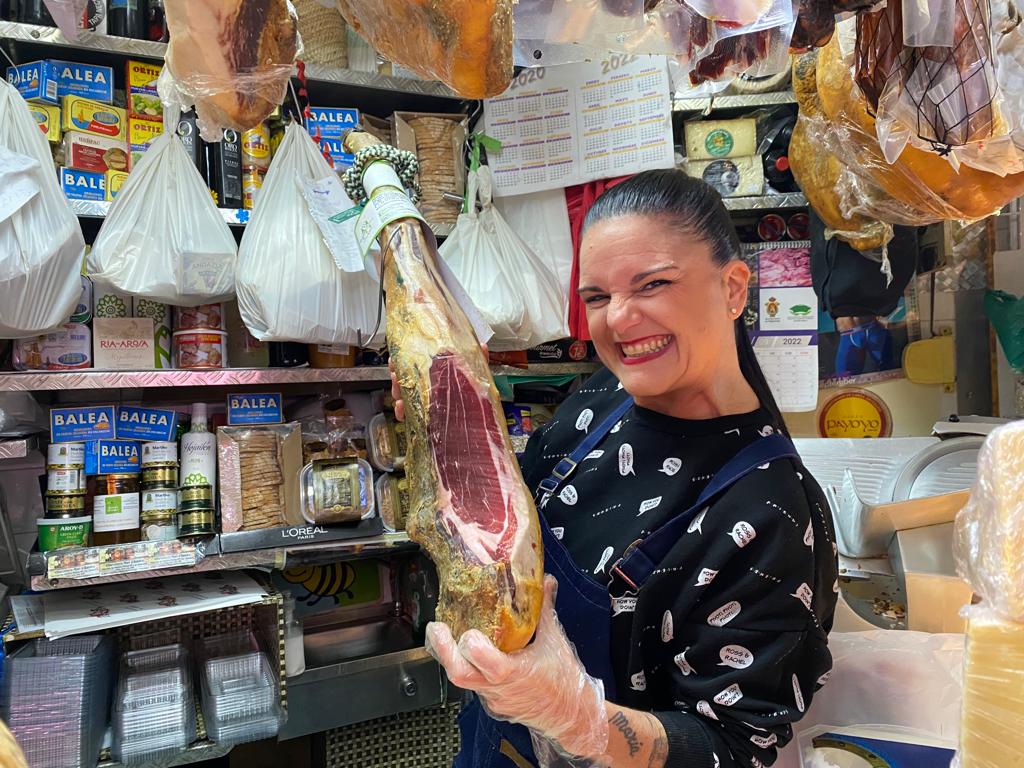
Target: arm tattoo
659 754
621 724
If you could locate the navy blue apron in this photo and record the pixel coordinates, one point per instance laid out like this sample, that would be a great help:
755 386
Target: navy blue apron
583 605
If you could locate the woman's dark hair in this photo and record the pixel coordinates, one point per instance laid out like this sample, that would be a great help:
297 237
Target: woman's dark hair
694 207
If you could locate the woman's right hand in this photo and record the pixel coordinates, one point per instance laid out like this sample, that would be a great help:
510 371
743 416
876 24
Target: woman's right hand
396 390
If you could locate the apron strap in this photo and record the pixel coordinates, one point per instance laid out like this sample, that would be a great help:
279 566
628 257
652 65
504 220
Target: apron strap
567 464
642 557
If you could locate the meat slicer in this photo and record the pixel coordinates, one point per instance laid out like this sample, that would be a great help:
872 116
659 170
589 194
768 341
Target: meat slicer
893 501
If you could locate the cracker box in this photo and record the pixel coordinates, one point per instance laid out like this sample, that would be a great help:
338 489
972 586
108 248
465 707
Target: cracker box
95 117
82 185
49 80
99 154
47 117
140 82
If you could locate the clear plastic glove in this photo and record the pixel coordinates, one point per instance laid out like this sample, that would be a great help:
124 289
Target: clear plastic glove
544 686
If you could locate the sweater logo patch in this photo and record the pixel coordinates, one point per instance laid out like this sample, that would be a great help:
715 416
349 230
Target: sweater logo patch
743 533
725 614
735 656
670 466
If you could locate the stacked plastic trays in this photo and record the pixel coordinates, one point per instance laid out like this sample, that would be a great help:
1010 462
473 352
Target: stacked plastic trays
56 697
154 709
239 689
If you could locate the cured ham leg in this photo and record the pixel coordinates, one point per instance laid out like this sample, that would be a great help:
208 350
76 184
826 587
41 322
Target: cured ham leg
471 511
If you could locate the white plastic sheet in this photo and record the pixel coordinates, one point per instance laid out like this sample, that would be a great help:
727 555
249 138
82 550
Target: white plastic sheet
163 238
41 243
892 679
516 291
289 286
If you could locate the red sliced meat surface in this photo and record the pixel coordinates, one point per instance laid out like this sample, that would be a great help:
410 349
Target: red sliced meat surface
472 464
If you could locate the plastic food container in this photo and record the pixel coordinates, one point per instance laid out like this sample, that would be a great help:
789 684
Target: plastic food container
386 443
69 348
392 501
58 506
63 533
199 349
159 454
65 456
332 356
205 317
65 482
337 491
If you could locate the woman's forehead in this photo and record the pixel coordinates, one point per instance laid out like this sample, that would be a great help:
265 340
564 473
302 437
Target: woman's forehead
623 243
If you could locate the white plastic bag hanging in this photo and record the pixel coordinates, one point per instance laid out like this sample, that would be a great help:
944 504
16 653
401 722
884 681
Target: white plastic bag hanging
515 291
289 286
163 238
41 243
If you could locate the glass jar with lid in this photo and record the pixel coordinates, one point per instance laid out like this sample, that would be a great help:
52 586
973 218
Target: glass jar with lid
115 508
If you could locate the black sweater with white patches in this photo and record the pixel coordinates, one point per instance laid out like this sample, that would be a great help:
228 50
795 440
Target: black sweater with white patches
727 643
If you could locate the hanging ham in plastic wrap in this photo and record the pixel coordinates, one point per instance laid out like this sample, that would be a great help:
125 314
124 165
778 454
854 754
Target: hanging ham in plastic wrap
471 511
818 170
230 58
466 45
921 186
815 23
943 97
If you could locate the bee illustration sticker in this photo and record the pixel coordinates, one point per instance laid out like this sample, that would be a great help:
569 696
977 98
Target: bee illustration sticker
334 584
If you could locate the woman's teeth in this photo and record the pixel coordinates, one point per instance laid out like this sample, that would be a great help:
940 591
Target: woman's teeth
646 347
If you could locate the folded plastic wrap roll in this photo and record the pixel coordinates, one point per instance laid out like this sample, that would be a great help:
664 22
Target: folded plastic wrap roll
922 187
466 45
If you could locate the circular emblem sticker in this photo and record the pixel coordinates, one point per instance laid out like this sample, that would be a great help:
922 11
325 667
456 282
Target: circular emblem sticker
723 175
578 350
718 143
855 413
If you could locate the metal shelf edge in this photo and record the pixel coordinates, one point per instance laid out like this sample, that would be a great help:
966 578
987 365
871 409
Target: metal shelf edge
32 381
765 202
732 101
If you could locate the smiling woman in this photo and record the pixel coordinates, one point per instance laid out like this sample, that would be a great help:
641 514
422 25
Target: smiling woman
693 552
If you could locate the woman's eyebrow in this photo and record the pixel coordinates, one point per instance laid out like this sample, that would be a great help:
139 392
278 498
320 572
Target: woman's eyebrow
638 278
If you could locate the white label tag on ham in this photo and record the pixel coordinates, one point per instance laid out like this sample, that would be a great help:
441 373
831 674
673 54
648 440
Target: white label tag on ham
336 216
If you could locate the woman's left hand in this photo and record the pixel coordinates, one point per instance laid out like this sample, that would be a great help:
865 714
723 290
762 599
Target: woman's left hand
543 686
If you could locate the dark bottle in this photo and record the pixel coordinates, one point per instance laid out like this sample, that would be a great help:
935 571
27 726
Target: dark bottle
288 354
35 12
224 169
778 172
128 18
157 22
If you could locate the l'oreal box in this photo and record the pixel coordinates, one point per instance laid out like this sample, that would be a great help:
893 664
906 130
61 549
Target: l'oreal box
140 134
50 80
112 457
149 424
77 425
114 180
95 117
332 122
140 83
246 409
47 117
83 185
